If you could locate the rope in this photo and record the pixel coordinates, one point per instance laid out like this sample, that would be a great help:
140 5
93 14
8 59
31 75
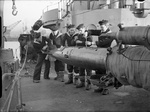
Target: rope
24 60
16 52
132 59
9 97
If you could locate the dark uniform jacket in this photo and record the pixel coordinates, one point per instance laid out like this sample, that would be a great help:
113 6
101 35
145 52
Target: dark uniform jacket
38 45
56 39
82 38
94 32
104 42
70 39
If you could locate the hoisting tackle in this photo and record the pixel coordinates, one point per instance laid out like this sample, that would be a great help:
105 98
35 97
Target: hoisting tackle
14 11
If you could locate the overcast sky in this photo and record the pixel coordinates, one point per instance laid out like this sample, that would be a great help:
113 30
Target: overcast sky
28 11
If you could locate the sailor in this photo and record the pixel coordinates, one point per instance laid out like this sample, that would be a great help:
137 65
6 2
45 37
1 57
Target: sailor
41 45
56 40
103 43
69 40
83 40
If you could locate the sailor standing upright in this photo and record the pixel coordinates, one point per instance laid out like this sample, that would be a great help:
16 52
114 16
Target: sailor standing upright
56 40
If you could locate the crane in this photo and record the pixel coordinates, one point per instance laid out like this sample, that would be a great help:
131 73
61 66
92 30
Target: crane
9 28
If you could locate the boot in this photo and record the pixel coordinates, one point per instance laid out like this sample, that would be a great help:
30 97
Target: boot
57 73
82 82
70 77
75 78
117 84
80 85
87 79
61 76
105 92
88 85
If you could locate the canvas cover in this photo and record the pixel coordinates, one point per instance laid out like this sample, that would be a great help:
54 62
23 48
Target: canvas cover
131 67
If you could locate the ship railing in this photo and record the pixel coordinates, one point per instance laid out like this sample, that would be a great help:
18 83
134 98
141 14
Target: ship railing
50 7
12 86
114 4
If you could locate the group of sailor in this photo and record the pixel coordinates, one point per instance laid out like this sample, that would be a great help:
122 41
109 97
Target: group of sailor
75 36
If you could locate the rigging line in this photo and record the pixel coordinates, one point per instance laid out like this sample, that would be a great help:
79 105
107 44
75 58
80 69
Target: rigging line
132 59
11 94
16 50
9 97
24 60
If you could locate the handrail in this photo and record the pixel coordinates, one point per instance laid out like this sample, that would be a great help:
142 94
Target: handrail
19 107
9 97
46 8
6 74
109 4
15 80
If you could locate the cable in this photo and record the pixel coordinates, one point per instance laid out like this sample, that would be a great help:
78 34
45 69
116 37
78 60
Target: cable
132 59
16 52
17 76
25 59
